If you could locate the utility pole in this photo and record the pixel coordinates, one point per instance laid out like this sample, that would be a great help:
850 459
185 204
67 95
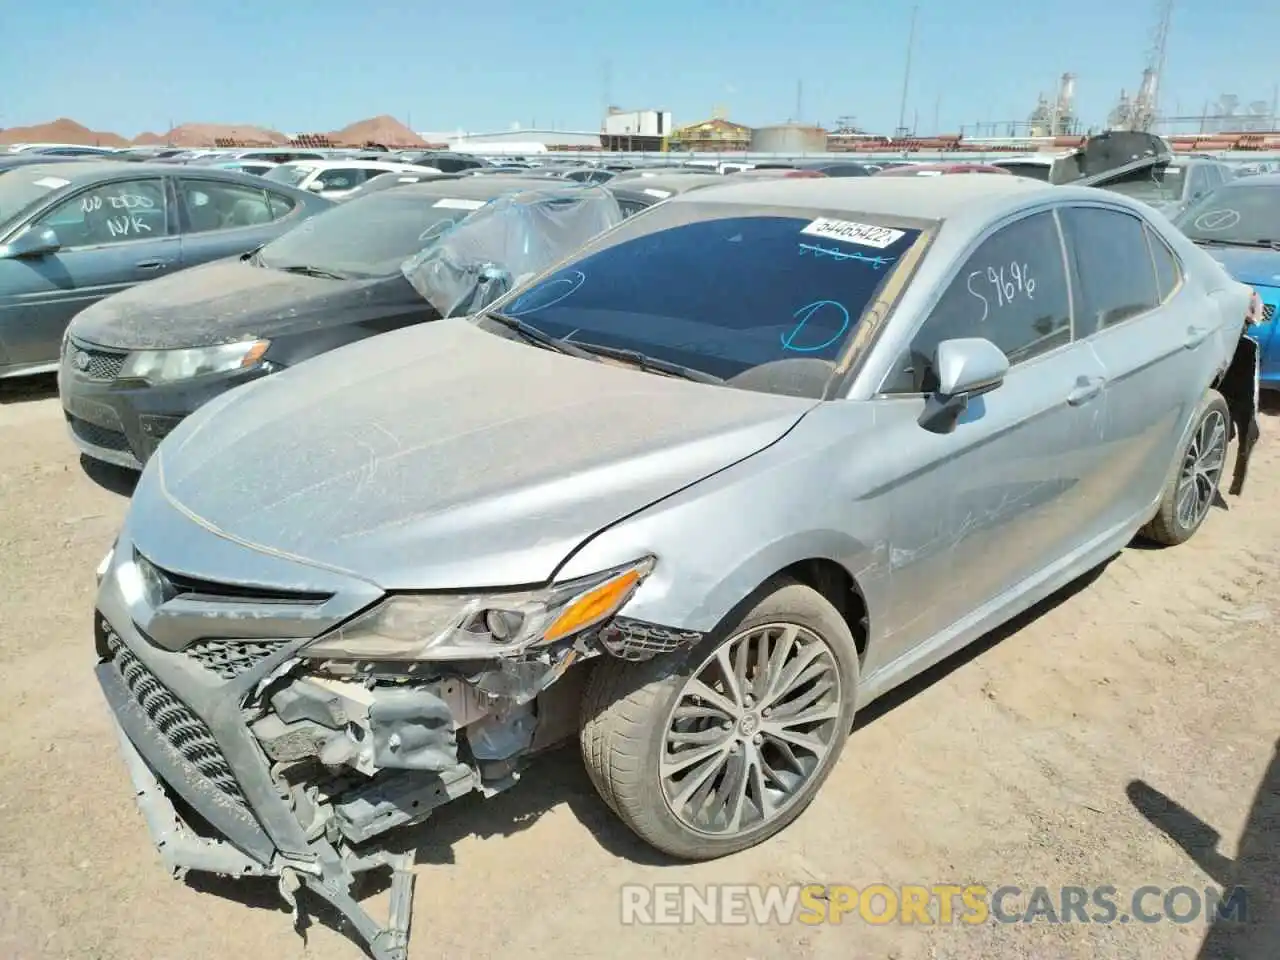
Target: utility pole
799 101
906 73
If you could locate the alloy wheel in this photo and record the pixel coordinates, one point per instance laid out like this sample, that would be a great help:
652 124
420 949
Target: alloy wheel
752 726
1201 468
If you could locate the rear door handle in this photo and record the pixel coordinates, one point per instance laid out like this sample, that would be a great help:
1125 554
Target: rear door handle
1086 389
151 264
1196 336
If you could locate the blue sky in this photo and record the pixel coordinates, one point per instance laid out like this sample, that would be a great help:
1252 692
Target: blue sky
319 64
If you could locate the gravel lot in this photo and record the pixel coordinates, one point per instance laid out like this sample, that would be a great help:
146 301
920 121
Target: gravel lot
1014 765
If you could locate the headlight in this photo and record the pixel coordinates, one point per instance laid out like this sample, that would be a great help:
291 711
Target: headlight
165 366
480 626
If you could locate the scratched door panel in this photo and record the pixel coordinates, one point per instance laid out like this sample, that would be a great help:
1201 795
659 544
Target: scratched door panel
113 236
976 511
1153 366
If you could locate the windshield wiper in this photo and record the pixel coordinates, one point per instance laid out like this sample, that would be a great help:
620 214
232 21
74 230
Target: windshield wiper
652 364
1215 242
309 271
532 334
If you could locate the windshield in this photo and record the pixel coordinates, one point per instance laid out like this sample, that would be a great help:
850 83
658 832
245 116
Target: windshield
1160 185
368 237
1031 170
290 174
23 186
719 288
1242 213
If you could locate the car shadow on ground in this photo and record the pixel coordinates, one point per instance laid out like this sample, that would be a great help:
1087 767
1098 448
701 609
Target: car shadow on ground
28 389
558 778
109 477
1255 869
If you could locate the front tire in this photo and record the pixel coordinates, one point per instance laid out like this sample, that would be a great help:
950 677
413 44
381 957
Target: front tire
1191 491
714 749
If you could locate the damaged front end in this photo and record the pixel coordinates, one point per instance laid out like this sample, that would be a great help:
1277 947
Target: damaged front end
291 756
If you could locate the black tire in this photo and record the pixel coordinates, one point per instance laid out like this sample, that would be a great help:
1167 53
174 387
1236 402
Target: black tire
627 707
1167 527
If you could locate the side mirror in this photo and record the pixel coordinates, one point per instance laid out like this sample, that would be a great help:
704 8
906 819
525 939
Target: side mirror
967 368
316 186
35 242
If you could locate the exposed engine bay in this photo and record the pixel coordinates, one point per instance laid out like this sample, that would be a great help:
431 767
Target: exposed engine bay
363 749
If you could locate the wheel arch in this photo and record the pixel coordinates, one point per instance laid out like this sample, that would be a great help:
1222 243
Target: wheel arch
843 570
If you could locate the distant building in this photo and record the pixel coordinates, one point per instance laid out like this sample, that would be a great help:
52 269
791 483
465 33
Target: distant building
499 142
716 135
635 129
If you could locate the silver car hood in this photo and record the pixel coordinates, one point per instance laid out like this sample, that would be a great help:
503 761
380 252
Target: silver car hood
444 456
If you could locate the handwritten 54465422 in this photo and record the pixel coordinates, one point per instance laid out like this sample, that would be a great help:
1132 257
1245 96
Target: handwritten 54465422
1002 285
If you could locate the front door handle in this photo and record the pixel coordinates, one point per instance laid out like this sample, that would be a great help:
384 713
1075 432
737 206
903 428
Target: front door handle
151 264
1196 336
1086 389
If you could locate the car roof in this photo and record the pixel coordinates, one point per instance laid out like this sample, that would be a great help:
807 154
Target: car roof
1038 159
476 188
87 171
919 198
669 184
357 164
1257 179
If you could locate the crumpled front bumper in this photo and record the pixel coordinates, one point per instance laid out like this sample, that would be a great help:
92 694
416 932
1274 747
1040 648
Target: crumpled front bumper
148 725
180 847
201 780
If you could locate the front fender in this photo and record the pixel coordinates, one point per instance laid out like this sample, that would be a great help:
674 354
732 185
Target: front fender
721 538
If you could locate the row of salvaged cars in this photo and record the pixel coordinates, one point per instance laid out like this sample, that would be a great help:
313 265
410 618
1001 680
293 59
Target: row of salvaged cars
689 467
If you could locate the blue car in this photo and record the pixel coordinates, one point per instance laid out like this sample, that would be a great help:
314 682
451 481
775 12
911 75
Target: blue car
1239 225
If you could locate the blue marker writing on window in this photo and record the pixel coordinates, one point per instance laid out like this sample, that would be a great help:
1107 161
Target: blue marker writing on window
819 251
806 314
548 294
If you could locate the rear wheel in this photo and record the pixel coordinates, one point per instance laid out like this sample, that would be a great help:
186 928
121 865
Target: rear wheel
1191 491
714 749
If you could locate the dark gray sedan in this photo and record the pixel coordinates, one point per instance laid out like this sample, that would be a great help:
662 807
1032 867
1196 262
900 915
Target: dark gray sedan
73 233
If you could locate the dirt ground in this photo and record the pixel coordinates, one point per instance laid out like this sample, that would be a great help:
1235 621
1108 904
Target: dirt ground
1044 756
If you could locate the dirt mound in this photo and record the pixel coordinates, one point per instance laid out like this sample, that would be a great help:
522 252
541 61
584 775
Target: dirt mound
62 130
149 139
208 135
385 130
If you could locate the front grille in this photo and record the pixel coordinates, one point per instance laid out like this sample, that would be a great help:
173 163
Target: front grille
97 436
230 658
183 730
1268 311
96 364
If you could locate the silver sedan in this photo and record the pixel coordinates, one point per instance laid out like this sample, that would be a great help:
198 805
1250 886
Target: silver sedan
750 459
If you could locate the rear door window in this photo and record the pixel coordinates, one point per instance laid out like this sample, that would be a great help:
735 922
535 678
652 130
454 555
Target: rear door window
1115 276
1168 273
342 178
216 205
1012 291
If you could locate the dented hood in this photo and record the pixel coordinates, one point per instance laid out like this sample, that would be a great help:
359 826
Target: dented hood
230 300
444 456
